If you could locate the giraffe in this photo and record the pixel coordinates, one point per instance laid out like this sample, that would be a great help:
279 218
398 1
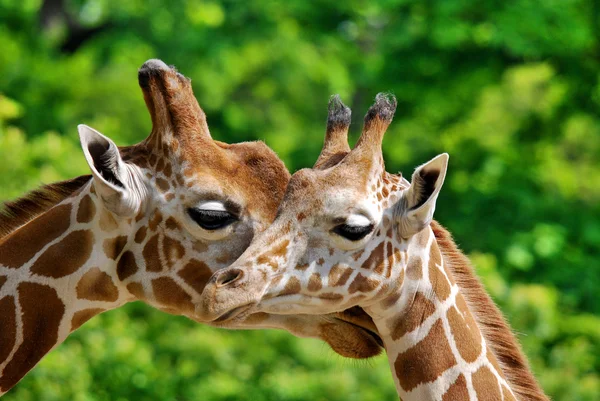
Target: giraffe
349 234
151 223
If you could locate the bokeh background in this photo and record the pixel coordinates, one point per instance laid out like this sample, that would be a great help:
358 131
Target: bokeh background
510 88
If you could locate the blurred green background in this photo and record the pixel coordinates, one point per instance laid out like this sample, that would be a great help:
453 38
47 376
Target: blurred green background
511 89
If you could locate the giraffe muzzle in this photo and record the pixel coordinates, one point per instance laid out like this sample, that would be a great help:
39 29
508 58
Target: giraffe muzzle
229 294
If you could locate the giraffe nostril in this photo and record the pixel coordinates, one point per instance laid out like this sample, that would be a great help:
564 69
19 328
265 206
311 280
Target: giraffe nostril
228 277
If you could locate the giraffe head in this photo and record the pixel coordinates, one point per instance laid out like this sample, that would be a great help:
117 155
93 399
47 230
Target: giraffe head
342 232
179 204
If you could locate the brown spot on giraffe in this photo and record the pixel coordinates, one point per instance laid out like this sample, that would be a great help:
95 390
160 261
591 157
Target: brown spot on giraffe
457 391
41 312
468 346
466 328
161 165
195 274
393 257
302 266
358 254
439 282
97 285
52 262
151 256
8 328
331 296
172 224
163 185
173 251
390 260
137 290
17 248
168 292
421 309
168 171
291 287
314 282
86 210
376 257
486 385
280 250
114 246
141 214
155 220
434 348
140 235
2 281
362 284
267 260
338 275
126 266
82 316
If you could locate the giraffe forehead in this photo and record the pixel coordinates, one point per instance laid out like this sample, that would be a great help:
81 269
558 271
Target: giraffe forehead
329 188
248 173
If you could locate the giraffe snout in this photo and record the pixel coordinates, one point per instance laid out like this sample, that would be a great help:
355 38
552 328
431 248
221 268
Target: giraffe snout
228 294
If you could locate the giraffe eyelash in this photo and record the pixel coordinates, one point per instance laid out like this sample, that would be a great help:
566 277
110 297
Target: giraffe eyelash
211 219
351 232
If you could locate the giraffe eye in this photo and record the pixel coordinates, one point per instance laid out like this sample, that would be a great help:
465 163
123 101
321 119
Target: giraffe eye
353 232
211 219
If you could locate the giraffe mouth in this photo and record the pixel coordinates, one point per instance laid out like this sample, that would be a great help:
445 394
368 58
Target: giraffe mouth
238 313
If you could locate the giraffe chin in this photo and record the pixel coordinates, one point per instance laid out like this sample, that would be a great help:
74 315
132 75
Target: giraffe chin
356 337
352 341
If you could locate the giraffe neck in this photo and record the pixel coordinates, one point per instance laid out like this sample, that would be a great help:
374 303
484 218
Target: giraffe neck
56 272
435 348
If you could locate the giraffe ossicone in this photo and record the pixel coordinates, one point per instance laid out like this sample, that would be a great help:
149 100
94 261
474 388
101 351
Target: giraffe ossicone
151 223
348 234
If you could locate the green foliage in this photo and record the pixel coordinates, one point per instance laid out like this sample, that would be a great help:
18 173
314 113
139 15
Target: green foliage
510 89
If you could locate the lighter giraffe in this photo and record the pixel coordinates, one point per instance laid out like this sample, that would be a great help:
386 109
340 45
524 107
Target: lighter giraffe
151 223
350 234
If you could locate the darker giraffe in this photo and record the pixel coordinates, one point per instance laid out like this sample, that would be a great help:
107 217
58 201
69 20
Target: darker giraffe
350 234
151 223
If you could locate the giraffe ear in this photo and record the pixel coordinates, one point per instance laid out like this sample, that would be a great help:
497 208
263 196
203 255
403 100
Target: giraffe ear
417 207
116 182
